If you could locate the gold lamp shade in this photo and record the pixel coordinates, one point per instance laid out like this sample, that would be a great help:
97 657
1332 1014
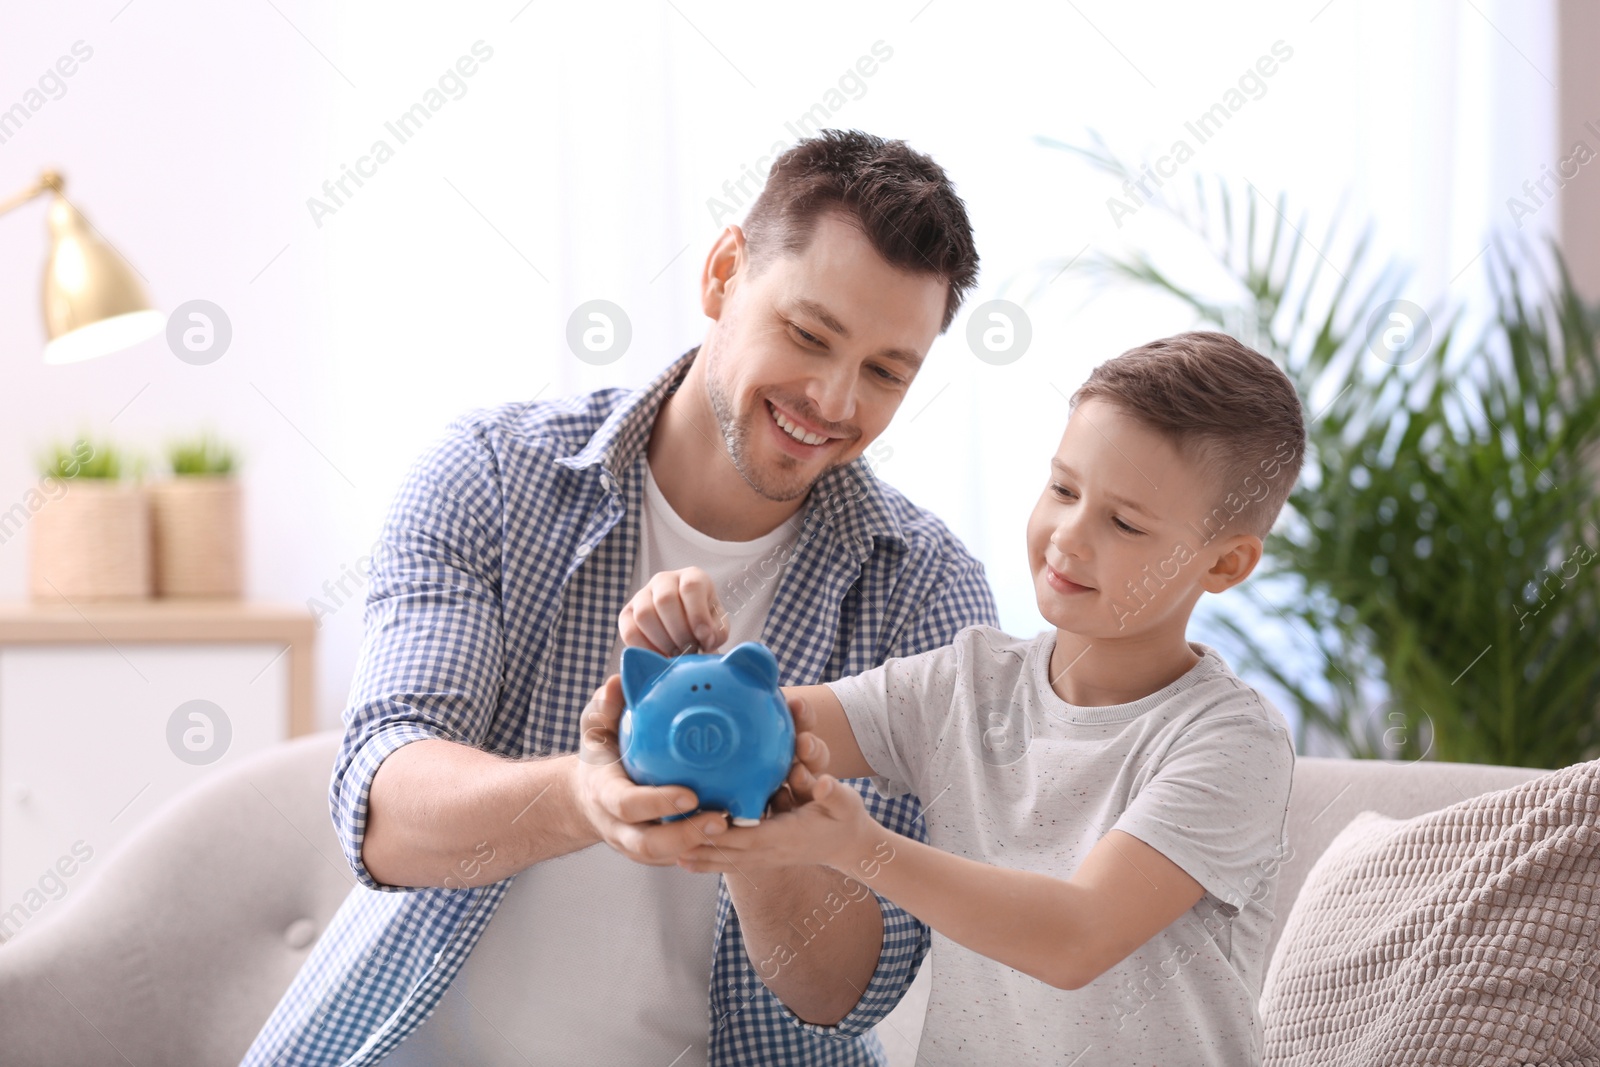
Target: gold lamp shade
93 302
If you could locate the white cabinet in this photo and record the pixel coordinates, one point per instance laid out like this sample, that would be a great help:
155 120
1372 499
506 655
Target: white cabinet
106 715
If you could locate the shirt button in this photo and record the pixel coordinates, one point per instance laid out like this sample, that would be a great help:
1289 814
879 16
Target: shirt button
583 550
606 481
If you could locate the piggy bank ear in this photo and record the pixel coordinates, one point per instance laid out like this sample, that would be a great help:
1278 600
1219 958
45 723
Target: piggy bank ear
640 669
756 660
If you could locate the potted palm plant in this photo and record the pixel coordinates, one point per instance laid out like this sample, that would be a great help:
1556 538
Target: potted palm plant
196 521
1432 573
91 542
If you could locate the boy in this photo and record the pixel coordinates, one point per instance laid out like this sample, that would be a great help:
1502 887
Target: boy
1105 802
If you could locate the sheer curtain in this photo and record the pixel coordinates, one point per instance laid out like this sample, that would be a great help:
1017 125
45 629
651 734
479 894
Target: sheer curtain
599 151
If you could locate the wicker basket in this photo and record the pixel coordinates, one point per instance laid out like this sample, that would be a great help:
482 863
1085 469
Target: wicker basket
91 544
197 536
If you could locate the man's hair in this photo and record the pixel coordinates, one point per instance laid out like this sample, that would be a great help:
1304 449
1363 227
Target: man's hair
900 199
1225 404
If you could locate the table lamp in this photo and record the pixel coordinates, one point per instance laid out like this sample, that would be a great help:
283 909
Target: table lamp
93 302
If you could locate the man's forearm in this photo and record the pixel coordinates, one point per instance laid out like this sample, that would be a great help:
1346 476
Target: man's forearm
444 814
812 934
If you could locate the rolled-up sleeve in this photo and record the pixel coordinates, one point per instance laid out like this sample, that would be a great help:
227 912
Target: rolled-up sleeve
959 597
433 652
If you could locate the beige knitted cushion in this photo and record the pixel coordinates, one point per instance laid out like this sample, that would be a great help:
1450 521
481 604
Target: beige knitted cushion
1469 935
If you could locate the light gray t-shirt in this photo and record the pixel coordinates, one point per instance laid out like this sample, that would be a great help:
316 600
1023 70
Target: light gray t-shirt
1010 774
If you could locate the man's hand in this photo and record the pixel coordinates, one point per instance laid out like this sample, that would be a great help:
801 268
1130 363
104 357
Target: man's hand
811 754
675 612
623 814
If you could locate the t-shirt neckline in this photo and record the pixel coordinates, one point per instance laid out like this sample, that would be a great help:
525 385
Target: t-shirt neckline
1210 662
662 509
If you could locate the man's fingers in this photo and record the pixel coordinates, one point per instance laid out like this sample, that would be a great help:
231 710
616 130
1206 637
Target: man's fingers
811 754
676 612
631 627
803 781
668 601
604 710
812 751
599 723
705 618
805 720
662 844
707 828
630 803
650 625
641 846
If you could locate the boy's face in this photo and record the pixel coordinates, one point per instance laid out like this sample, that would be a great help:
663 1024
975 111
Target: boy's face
1121 505
828 339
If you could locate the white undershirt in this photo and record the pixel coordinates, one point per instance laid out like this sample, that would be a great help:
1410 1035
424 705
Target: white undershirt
590 957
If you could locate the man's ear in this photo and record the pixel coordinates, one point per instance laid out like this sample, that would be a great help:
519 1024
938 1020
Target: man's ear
724 262
1238 556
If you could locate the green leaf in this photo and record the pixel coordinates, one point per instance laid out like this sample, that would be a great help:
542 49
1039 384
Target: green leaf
1439 561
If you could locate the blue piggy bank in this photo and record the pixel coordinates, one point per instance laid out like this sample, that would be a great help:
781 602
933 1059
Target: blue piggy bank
715 724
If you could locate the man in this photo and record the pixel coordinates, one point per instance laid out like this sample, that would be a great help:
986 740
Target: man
552 925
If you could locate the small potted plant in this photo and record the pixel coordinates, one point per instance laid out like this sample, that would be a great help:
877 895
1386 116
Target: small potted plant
196 521
92 541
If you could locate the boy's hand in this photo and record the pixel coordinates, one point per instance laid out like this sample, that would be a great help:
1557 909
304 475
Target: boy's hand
675 612
817 819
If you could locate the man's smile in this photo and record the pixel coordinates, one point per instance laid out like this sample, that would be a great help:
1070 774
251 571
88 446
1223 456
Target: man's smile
804 439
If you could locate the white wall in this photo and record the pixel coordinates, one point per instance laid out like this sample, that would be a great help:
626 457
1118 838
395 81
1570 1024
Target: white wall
579 164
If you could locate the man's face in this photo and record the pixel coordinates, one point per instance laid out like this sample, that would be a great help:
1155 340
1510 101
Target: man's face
823 344
1121 505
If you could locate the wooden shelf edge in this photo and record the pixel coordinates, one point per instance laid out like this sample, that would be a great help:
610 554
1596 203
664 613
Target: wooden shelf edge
177 621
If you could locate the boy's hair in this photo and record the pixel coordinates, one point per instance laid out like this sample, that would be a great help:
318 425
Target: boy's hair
1223 402
900 199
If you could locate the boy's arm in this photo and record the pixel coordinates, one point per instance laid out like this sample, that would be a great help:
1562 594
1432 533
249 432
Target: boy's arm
827 721
825 984
1169 847
1064 933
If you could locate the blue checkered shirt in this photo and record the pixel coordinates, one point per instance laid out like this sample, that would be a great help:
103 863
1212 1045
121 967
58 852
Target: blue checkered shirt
493 605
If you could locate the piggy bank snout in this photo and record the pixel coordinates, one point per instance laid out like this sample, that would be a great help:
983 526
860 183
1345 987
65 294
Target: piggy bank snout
703 736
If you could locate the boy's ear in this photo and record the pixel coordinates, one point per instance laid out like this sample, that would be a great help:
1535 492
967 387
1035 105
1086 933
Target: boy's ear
1238 556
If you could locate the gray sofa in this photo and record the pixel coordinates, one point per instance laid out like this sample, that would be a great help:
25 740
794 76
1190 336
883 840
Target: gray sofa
179 947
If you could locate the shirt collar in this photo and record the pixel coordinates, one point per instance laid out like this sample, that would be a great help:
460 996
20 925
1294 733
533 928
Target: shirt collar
848 499
622 436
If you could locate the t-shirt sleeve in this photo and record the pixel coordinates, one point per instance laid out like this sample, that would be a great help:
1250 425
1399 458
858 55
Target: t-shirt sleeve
896 711
1216 803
